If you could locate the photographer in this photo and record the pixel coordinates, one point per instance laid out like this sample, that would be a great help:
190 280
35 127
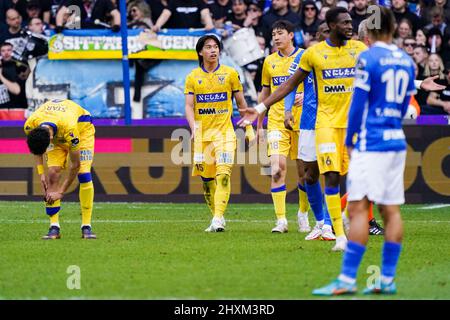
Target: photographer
9 86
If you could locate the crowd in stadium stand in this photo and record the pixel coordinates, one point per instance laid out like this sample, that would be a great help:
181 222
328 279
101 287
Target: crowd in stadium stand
423 30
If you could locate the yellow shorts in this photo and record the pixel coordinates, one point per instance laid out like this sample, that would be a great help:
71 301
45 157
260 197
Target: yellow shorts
331 151
213 157
283 142
57 155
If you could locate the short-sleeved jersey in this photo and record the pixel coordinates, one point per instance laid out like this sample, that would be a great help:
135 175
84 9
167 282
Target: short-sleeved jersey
213 101
309 107
63 116
334 71
385 74
276 70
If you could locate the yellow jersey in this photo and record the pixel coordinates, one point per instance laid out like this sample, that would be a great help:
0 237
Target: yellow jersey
334 71
63 116
275 72
213 101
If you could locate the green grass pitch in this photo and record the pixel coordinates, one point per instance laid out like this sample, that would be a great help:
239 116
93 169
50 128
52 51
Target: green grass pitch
160 251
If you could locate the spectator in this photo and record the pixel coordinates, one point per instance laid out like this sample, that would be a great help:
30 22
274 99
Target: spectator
14 25
253 20
409 43
278 11
185 14
323 12
421 38
157 7
9 86
238 15
443 4
295 6
436 43
401 11
220 10
420 56
139 15
359 13
91 12
309 19
437 20
326 3
33 10
433 67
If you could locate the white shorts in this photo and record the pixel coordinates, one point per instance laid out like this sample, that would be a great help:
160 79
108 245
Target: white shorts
307 145
377 175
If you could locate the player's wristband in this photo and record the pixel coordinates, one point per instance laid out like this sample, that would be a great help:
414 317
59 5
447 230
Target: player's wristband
418 83
40 169
260 108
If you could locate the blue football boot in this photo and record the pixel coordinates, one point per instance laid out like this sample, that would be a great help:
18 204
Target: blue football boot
53 233
335 288
86 233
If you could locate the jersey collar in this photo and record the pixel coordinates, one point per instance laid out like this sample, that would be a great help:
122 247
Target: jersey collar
291 54
218 66
331 44
51 124
381 44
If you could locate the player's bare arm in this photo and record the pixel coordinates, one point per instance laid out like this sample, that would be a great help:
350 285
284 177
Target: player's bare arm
428 84
40 168
189 109
252 113
73 172
242 105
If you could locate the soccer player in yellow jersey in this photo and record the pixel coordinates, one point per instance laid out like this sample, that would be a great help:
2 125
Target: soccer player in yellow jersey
56 131
209 91
333 62
281 141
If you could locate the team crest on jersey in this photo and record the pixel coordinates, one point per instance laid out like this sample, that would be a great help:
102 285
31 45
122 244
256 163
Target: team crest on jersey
325 56
273 66
352 53
199 81
221 79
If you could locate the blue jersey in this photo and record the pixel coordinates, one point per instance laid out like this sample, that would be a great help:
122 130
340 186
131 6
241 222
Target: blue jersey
384 83
309 110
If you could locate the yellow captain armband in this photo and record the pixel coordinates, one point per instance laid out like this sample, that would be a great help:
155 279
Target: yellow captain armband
249 133
40 169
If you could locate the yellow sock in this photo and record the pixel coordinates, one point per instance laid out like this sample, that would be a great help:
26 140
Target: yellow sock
222 194
334 208
52 210
279 201
209 189
54 219
86 201
303 203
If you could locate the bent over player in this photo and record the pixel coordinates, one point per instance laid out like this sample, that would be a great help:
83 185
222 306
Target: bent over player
58 130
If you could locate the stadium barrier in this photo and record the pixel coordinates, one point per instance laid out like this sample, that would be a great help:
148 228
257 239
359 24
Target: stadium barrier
145 163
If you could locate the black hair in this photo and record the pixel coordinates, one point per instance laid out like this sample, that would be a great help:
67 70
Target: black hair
283 25
4 44
387 23
332 15
201 43
38 140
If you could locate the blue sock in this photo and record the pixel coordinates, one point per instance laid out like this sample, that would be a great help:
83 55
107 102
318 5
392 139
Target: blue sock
314 193
391 253
326 215
352 258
